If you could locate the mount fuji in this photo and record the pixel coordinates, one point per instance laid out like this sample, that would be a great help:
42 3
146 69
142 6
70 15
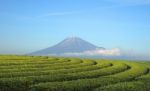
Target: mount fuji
68 45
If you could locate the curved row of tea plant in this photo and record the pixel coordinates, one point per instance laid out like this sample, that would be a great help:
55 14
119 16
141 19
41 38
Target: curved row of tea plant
41 73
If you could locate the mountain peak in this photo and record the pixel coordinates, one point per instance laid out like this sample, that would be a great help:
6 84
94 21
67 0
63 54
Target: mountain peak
73 38
68 45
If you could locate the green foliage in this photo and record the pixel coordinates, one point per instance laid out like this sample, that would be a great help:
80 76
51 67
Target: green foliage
42 73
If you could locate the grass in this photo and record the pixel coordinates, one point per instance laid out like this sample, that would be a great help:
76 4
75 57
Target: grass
41 73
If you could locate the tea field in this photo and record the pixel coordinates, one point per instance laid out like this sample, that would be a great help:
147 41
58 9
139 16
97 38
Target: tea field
41 73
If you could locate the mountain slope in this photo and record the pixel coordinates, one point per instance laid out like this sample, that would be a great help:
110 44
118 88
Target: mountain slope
69 45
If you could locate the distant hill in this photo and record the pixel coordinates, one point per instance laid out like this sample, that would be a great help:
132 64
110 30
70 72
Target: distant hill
68 45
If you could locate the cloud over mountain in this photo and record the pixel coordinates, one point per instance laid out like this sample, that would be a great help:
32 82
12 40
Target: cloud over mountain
105 52
97 52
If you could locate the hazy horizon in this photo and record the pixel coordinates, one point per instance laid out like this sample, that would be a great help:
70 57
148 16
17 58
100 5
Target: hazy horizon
30 25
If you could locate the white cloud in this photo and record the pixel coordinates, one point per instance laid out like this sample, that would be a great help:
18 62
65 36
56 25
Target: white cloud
114 53
105 52
58 13
97 52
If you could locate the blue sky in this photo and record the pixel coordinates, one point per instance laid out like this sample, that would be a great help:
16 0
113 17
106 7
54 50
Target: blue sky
30 25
